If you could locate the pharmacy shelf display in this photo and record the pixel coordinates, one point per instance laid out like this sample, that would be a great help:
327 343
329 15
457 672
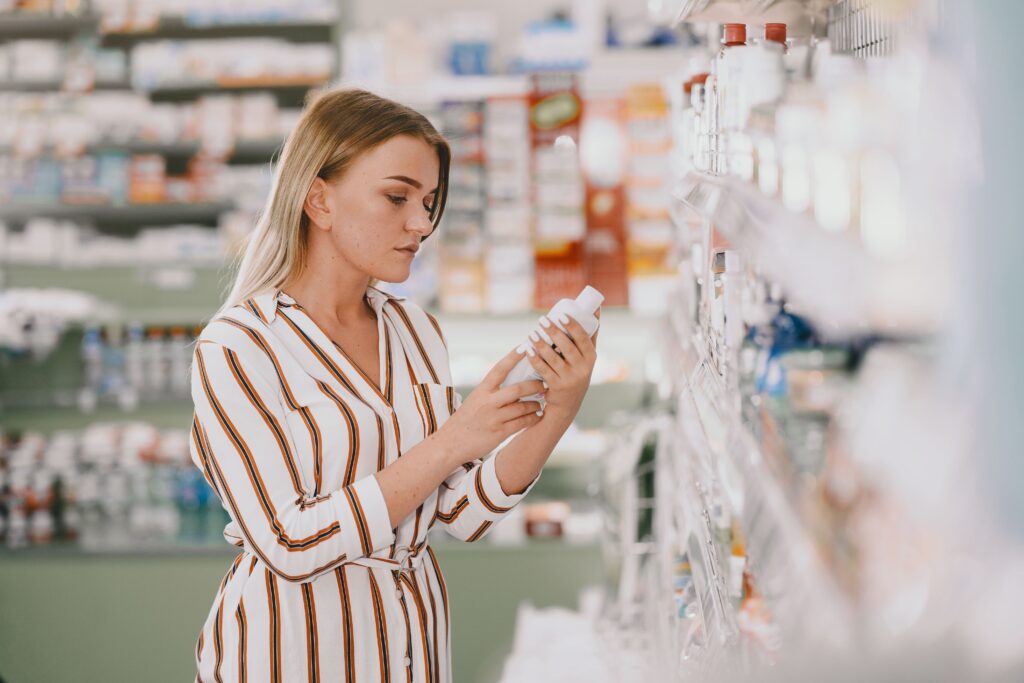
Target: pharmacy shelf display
800 393
67 59
66 171
22 25
289 91
123 218
179 28
241 151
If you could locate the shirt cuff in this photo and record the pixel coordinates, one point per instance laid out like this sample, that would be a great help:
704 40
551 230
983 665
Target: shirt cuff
370 502
488 488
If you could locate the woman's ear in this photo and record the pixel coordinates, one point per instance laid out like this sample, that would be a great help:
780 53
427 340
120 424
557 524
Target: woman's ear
317 205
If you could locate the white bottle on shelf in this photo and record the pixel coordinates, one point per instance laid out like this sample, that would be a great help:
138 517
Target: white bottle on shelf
582 309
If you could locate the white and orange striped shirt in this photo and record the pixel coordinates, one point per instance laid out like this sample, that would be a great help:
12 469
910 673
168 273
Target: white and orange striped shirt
289 432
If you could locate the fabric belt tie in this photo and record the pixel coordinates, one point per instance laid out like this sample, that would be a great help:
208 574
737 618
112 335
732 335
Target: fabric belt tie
410 560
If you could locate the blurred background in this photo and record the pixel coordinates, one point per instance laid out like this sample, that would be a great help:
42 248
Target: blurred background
800 458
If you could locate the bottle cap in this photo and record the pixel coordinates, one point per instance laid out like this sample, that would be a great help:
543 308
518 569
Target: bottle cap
700 79
735 34
775 33
688 86
590 299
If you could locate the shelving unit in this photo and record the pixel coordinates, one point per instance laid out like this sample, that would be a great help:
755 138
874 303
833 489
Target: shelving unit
832 277
290 92
794 287
152 294
136 292
242 152
780 539
177 28
39 25
58 86
120 218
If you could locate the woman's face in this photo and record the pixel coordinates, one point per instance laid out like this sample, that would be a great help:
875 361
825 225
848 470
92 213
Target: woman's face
378 211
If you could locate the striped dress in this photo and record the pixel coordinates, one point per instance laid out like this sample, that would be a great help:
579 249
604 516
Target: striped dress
289 432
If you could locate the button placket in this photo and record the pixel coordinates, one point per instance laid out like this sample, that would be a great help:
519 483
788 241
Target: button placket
407 660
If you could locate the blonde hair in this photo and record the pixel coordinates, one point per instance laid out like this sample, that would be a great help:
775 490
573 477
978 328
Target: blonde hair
336 127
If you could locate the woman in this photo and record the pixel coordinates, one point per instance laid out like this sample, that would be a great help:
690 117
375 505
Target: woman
326 420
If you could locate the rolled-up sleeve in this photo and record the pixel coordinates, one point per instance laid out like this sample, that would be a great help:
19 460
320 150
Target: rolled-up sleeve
241 441
471 500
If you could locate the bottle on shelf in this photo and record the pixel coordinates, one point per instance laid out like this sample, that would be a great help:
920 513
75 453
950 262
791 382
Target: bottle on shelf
178 358
733 142
776 33
92 366
134 366
733 35
113 361
156 362
697 143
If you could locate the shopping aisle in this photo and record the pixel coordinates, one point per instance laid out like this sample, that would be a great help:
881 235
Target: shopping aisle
790 460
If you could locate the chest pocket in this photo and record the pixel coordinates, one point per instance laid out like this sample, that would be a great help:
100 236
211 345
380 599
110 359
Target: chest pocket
436 401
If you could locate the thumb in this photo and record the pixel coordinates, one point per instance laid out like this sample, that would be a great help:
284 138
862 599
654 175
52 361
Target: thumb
497 374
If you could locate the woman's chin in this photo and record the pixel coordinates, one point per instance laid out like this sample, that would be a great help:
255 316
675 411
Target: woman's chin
394 275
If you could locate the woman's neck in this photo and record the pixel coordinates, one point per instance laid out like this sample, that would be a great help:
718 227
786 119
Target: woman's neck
335 299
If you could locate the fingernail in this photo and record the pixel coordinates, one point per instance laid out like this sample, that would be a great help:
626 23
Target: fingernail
534 337
545 384
544 322
564 319
530 351
540 413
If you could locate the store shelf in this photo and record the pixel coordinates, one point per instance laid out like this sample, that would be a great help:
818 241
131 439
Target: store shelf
19 25
137 293
174 28
124 217
290 92
694 507
58 87
789 565
797 14
454 88
255 151
830 276
167 414
243 152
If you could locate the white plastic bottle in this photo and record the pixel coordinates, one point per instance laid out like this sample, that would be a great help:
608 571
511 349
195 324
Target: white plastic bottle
581 309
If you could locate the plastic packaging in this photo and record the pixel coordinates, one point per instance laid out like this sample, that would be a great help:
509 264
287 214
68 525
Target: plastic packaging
581 309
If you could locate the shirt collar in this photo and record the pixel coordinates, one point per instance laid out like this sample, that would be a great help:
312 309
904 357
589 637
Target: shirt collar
378 297
268 302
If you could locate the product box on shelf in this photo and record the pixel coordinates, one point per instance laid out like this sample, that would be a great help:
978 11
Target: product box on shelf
559 224
603 156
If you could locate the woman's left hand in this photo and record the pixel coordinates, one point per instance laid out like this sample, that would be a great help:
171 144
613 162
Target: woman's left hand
566 371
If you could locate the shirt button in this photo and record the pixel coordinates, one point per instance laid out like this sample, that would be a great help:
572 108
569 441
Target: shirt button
406 662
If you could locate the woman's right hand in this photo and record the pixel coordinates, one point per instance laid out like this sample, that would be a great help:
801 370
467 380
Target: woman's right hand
491 414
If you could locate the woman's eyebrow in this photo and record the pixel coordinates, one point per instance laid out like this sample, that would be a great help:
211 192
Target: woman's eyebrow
409 181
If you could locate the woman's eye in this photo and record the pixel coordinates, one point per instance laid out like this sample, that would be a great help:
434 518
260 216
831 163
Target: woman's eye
397 200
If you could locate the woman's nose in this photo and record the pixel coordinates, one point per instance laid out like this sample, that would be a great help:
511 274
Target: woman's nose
420 223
